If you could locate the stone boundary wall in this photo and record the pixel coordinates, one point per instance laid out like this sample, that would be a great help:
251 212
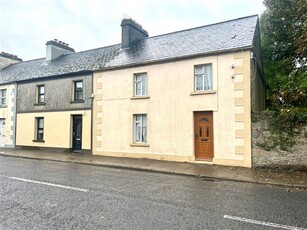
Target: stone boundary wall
295 158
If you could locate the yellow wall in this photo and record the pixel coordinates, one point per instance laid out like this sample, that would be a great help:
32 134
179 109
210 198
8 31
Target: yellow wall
57 129
7 113
170 110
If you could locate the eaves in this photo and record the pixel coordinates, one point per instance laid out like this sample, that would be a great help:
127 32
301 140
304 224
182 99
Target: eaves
171 59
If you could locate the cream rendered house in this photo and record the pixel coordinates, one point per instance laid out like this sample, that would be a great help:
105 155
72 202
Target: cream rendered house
184 96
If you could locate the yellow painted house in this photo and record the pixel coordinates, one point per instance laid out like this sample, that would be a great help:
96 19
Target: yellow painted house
183 96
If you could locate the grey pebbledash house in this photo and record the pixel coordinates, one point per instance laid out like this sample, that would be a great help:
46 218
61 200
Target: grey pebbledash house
182 96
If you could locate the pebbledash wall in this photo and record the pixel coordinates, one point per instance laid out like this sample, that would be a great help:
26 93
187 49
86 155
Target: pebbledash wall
170 108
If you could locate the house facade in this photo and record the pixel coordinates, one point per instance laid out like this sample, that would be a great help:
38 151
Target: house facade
55 113
182 104
53 100
7 103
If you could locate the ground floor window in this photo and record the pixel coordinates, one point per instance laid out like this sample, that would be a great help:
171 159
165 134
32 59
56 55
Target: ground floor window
39 128
140 128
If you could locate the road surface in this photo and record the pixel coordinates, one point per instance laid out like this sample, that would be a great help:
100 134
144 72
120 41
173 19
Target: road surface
54 195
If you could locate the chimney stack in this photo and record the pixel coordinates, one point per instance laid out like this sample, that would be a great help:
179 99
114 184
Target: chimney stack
131 32
56 48
7 59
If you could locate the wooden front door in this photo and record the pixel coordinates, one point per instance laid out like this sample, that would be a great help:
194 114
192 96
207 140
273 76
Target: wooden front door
203 132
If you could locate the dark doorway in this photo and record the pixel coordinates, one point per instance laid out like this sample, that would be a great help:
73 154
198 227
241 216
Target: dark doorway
77 133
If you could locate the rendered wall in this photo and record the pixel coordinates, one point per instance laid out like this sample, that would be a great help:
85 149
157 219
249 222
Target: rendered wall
57 129
7 112
170 110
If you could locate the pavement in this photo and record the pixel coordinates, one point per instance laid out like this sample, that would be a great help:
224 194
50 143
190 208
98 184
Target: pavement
276 177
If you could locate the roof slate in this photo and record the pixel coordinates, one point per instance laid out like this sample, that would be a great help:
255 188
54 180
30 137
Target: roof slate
229 35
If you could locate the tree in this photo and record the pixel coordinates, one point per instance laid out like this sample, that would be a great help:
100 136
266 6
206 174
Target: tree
284 43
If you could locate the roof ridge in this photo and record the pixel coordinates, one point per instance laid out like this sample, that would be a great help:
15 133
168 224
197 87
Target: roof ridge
103 47
212 24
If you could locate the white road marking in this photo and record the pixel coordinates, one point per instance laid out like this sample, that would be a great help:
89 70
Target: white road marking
50 184
274 225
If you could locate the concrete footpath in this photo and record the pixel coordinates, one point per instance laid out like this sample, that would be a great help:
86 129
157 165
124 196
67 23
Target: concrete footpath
287 178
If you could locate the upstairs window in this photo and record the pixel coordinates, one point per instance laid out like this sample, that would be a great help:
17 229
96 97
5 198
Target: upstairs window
140 128
140 84
203 77
41 94
39 128
3 97
78 90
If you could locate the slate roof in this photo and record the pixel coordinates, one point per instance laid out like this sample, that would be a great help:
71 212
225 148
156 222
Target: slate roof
224 36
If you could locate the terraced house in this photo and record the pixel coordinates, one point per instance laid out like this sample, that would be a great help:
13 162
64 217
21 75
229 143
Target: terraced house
54 100
7 103
182 96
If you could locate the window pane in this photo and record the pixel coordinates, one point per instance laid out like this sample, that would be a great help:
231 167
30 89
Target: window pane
144 85
144 120
79 95
40 128
40 136
79 84
144 134
78 90
138 132
41 98
208 77
144 128
138 77
199 82
138 88
40 123
41 89
3 101
199 70
138 117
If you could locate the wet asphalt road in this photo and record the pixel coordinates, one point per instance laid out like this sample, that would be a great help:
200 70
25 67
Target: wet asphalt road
52 195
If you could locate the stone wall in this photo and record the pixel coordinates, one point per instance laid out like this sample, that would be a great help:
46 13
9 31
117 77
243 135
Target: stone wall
295 158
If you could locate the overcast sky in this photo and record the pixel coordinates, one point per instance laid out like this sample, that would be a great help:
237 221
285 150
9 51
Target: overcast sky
26 25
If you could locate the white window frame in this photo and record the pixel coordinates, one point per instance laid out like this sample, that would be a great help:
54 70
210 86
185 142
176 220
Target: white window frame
3 93
142 81
142 124
202 74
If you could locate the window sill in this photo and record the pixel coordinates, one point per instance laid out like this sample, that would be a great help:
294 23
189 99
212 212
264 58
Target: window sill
139 97
139 145
203 92
3 106
38 140
40 103
79 101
